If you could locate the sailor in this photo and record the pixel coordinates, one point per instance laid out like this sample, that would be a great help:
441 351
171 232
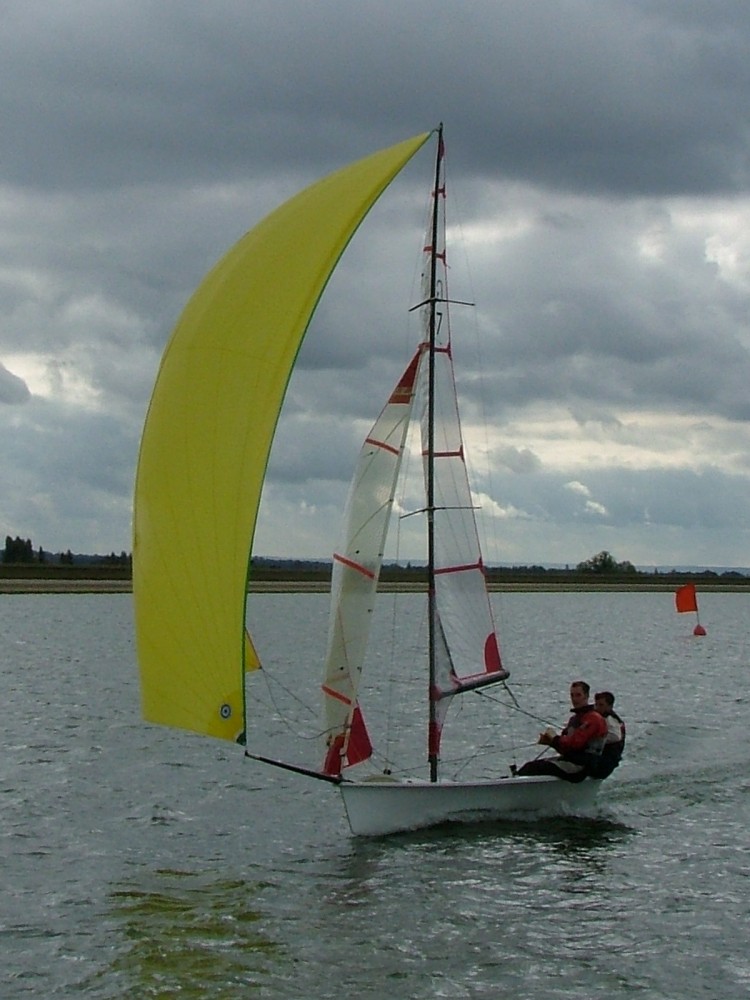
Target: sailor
614 744
579 745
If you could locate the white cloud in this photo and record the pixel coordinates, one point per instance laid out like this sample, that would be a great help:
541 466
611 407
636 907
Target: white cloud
54 378
592 507
576 487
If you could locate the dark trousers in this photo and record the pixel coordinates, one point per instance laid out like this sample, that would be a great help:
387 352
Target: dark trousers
554 766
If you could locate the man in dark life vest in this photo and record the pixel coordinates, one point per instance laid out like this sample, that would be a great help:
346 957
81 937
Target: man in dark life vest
579 745
614 744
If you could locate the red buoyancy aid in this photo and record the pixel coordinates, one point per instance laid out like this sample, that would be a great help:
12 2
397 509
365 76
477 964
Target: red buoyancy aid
586 730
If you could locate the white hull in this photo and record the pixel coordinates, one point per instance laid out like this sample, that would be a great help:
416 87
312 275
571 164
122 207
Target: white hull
377 808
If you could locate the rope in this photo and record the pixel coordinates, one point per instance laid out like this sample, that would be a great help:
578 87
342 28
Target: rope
383 759
514 705
282 714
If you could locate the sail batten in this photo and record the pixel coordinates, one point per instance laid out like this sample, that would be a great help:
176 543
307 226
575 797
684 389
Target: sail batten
382 444
207 438
357 567
466 568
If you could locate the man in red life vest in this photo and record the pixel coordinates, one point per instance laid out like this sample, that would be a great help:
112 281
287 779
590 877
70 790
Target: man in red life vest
579 744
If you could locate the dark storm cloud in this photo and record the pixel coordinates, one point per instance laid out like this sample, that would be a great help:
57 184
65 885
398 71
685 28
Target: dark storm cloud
615 97
600 155
577 312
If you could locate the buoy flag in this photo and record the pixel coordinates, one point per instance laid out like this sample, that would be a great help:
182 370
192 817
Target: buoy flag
685 599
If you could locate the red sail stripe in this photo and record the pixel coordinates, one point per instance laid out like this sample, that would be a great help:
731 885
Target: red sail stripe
382 444
358 567
459 569
335 694
425 346
447 454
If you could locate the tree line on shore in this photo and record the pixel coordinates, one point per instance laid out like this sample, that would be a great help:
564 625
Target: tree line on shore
21 552
20 557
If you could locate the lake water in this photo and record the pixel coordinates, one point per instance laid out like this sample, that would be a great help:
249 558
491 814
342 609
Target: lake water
142 862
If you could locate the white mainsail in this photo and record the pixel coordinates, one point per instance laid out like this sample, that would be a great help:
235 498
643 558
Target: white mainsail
467 653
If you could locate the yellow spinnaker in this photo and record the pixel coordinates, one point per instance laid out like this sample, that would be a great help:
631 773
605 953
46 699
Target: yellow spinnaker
206 442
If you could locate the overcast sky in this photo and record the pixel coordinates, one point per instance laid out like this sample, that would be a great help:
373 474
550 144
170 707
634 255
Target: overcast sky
599 196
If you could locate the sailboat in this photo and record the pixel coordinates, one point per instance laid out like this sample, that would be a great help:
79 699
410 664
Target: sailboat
204 449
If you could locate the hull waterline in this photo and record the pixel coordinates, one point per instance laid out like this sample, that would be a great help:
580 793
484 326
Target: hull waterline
379 808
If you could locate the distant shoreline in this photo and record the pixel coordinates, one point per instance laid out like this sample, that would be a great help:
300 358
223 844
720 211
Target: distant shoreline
41 585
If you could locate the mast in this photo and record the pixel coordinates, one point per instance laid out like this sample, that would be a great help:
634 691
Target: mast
432 741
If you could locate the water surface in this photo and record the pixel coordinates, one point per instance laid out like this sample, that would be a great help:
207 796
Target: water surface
142 862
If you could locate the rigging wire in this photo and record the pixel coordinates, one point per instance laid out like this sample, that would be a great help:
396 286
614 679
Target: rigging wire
282 713
482 478
513 705
402 506
479 380
459 764
391 675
